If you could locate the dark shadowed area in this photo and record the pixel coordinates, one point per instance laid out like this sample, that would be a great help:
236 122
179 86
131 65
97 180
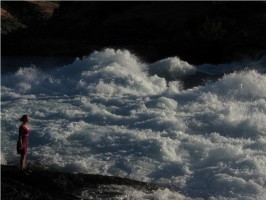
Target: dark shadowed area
43 184
199 32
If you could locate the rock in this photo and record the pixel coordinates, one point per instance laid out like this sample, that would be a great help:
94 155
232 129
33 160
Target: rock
45 184
24 14
9 22
198 32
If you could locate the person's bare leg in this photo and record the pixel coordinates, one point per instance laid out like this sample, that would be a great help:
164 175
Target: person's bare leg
23 162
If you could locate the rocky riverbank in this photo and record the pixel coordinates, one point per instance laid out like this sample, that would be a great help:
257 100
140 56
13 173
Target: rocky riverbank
198 32
45 184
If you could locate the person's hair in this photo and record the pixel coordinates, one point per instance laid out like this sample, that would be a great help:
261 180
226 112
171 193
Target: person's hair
23 118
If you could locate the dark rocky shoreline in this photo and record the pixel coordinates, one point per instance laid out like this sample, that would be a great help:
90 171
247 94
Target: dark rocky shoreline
45 184
198 32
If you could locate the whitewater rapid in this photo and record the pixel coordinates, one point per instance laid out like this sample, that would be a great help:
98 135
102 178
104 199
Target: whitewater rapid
109 113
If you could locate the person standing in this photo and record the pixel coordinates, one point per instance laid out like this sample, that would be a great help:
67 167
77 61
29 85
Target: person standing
24 132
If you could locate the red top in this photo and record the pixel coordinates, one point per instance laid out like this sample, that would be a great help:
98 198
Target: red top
24 131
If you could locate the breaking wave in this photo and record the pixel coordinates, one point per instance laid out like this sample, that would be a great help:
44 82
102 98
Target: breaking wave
110 113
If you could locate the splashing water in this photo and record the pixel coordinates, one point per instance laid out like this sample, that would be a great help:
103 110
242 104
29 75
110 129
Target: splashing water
111 114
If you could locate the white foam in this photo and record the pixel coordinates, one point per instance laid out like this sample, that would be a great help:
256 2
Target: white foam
243 84
172 68
105 114
125 192
3 160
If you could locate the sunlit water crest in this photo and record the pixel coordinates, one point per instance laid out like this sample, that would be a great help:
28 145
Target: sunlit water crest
111 114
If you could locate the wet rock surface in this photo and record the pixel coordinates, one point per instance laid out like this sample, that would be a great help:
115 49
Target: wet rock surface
45 184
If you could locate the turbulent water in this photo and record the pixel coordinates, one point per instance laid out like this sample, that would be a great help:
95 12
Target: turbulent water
109 113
